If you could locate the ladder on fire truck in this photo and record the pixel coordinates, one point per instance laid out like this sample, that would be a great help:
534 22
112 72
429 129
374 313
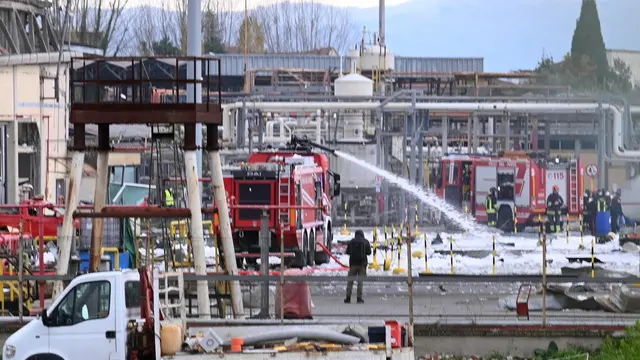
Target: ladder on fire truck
574 188
284 199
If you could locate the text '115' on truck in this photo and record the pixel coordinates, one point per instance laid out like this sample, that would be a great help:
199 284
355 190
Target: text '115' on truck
523 182
295 186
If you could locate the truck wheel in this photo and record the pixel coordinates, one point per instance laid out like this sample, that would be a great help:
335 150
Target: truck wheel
305 249
505 219
311 252
298 258
322 257
239 262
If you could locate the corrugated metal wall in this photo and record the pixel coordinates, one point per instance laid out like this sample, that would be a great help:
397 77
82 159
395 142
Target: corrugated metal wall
233 64
448 65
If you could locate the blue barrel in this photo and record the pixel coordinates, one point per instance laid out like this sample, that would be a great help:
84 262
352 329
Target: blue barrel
603 223
84 260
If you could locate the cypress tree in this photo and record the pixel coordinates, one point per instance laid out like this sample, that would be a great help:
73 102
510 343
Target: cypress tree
588 41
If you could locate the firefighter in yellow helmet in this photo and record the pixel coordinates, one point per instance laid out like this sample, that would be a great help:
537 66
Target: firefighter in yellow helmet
555 204
491 205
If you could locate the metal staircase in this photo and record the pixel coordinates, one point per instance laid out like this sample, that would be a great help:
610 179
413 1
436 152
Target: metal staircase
165 139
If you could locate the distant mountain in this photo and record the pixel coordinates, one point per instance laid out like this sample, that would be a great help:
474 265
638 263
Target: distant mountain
509 34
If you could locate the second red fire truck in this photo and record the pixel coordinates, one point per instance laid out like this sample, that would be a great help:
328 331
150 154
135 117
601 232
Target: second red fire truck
523 182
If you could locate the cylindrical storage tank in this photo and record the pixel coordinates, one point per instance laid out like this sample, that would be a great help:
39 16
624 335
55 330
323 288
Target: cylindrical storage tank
353 85
376 57
353 62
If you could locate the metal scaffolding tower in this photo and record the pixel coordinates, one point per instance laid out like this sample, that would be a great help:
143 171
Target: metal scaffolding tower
25 27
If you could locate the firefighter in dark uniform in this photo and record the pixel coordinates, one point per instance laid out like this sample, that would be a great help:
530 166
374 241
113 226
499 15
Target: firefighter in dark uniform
555 203
616 212
491 205
587 214
602 201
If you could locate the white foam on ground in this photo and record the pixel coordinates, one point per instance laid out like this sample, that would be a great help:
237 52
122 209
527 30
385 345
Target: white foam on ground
524 257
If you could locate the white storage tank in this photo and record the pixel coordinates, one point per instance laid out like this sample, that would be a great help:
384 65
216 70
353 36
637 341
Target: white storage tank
353 85
353 56
377 57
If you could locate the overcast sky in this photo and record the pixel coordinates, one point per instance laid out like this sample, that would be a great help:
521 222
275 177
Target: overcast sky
239 4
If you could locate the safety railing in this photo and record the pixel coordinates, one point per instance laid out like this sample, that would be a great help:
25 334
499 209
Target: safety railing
445 300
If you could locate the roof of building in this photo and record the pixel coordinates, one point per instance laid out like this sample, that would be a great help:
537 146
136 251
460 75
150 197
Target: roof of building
233 64
623 51
325 51
37 58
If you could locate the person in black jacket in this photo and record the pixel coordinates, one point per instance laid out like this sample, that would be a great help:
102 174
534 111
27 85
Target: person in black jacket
358 249
555 203
616 212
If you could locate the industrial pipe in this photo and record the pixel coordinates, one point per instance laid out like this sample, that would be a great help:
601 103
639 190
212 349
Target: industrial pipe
555 108
120 211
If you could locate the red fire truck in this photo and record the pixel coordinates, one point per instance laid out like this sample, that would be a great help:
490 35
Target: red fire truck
523 182
288 177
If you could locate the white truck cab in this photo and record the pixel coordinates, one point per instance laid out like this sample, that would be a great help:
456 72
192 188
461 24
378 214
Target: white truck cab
87 321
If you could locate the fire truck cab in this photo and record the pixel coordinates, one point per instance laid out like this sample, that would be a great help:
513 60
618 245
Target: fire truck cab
523 182
283 179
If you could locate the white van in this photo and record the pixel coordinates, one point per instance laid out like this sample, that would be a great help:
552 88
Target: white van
83 323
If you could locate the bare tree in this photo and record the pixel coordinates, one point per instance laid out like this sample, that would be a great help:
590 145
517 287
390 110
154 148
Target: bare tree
227 21
299 26
91 22
165 24
146 24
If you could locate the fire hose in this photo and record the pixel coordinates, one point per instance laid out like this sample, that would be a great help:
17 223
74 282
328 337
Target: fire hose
324 248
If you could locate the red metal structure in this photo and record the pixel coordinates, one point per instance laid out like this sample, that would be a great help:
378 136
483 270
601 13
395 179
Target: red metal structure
296 184
9 241
523 182
29 213
168 96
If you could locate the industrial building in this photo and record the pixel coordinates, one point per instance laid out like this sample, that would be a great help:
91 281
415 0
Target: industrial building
36 113
34 116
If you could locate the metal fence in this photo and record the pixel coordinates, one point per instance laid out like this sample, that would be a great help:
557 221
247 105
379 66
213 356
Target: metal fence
428 300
